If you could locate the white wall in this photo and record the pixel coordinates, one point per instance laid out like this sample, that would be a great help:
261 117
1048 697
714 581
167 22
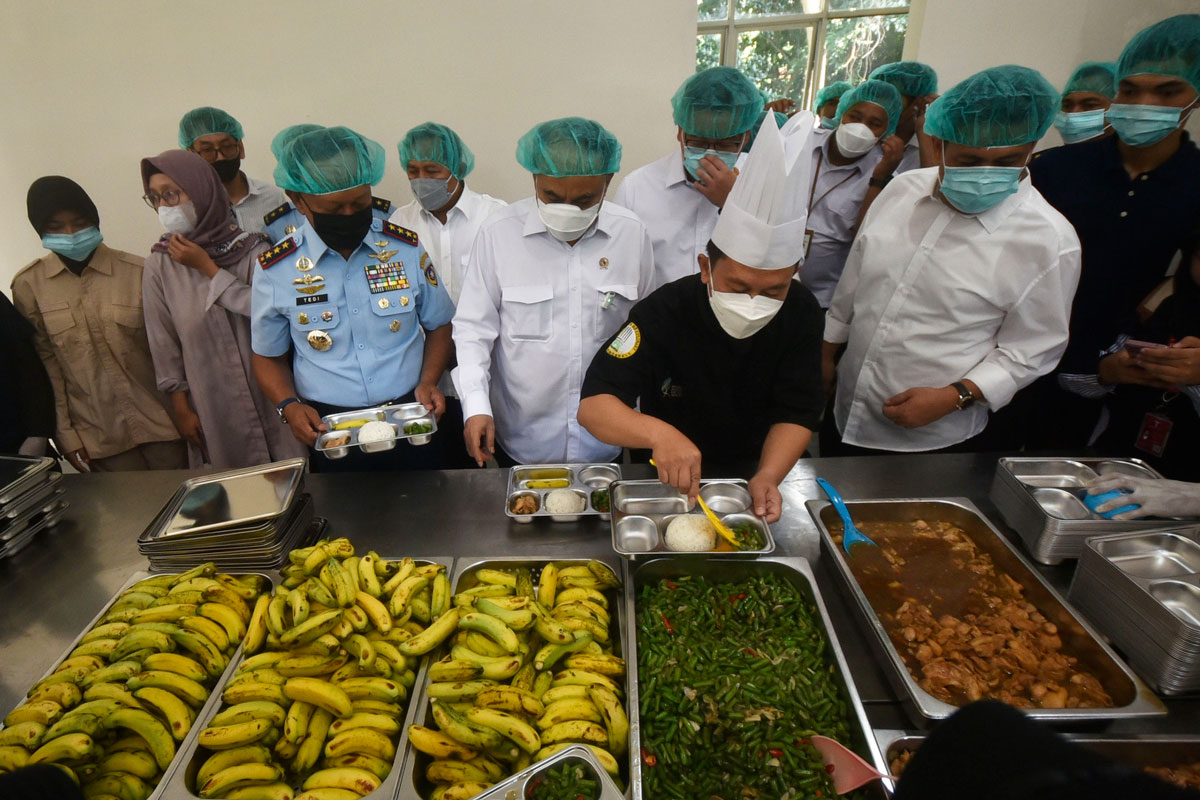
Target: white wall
90 88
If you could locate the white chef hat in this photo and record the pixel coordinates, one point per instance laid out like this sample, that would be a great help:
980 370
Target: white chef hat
762 223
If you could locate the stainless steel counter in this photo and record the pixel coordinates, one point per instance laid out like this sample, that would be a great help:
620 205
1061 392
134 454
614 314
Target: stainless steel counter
56 585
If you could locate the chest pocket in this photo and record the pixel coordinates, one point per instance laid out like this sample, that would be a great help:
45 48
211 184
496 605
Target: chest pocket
527 313
389 304
57 318
615 302
125 316
320 316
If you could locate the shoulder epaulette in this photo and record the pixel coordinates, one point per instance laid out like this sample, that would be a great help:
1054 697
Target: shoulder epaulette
277 253
381 204
270 217
403 234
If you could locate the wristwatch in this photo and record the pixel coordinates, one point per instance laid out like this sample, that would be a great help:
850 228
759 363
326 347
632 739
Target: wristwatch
287 401
965 398
880 183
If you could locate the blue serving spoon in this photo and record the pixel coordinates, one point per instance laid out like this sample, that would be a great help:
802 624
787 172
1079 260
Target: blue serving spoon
851 535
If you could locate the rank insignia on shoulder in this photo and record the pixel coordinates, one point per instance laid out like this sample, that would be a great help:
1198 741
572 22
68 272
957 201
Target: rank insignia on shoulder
403 234
381 205
276 253
271 216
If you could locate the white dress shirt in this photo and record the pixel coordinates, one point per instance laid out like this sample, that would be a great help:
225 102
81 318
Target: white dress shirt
836 197
532 313
931 296
262 199
680 219
912 156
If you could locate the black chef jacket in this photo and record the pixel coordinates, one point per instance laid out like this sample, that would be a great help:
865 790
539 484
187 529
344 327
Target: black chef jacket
722 393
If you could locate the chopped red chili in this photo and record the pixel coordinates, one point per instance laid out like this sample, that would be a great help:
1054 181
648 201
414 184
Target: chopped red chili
829 768
667 624
648 758
671 584
776 753
802 742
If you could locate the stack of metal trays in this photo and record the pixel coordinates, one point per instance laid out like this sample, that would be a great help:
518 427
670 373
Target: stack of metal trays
1042 500
243 519
1143 590
30 500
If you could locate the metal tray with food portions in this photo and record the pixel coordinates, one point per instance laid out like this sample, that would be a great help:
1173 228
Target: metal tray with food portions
117 707
562 492
535 667
958 615
652 519
738 664
375 430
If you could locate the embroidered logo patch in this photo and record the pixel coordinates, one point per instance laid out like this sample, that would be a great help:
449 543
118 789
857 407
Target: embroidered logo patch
626 342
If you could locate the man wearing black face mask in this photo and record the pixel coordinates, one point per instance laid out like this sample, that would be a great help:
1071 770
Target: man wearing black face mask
217 138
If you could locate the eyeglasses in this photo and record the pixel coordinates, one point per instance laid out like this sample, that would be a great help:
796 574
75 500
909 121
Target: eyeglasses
171 197
209 153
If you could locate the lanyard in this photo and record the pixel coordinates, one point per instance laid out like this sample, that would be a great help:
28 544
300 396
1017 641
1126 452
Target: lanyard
813 203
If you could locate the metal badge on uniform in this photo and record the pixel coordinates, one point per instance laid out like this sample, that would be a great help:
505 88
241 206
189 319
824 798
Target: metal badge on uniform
604 263
808 234
304 263
307 280
289 229
388 277
312 299
302 318
327 316
384 302
320 341
394 326
316 287
382 243
403 299
1153 435
384 255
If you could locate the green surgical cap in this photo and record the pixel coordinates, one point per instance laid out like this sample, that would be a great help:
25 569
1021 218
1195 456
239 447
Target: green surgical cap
329 160
1170 47
780 120
717 103
563 148
433 142
1098 77
880 93
911 78
204 121
286 135
831 92
998 107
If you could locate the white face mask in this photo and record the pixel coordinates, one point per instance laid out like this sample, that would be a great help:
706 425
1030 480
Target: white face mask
740 315
567 222
854 139
178 219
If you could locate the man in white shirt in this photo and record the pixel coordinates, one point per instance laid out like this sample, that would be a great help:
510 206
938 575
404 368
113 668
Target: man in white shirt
917 84
549 279
217 137
679 196
957 291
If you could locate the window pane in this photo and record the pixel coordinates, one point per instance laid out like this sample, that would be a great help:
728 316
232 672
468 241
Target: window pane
777 60
854 5
708 50
765 8
712 9
855 46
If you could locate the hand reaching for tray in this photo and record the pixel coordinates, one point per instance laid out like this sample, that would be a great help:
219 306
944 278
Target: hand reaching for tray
1157 498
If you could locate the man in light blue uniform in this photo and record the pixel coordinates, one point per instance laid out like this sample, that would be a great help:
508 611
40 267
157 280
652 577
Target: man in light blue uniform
356 299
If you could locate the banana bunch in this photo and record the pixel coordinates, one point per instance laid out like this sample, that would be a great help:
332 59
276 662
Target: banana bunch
530 672
114 710
314 710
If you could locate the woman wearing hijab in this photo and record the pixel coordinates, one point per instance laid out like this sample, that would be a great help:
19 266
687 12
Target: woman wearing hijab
84 301
197 294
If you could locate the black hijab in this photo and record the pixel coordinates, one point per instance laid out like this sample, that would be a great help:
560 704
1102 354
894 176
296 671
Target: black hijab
53 193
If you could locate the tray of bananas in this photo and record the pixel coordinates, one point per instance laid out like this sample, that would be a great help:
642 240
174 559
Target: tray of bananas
316 707
533 667
114 711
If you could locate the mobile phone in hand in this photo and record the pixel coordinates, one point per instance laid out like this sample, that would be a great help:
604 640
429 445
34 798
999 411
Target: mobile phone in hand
1136 346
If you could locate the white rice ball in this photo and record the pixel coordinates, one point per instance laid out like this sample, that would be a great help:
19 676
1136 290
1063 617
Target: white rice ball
690 533
376 431
564 501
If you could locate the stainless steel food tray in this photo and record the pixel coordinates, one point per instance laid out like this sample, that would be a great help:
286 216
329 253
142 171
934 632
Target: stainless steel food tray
239 498
518 786
37 495
16 541
582 479
1041 499
398 415
414 786
643 509
178 784
22 473
1132 697
796 571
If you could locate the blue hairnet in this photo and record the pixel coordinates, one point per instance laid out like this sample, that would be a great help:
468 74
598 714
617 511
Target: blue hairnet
911 78
329 160
206 120
780 119
882 94
286 135
1170 47
717 103
433 142
831 92
567 147
998 107
1098 77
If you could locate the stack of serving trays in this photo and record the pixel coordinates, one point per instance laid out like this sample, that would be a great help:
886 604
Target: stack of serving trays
243 519
1143 590
30 500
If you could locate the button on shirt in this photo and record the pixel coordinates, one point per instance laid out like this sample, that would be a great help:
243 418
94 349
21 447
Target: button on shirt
931 296
370 310
532 313
837 196
250 210
679 219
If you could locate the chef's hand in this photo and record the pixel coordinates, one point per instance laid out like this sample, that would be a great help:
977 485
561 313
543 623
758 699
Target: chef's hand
678 462
305 423
190 254
768 502
918 407
1157 498
480 435
1177 365
714 180
80 459
428 395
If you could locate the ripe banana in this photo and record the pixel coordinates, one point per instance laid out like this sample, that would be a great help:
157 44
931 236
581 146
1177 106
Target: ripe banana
609 665
379 722
547 585
550 629
376 611
458 727
13 757
371 764
240 775
256 628
251 692
264 791
327 794
338 580
295 724
224 759
405 591
237 734
356 780
576 730
360 740
112 691
368 578
312 628
45 712
179 664
314 742
438 744
210 629
134 762
576 595
308 665
109 630
439 600
220 593
549 654
459 791
437 632
518 619
253 709
186 689
24 734
162 744
321 694
493 668
381 689
259 676
227 618
507 725
583 678
203 650
574 708
616 721
168 613
603 756
91 724
97 647
455 692
119 672
509 698
446 771
122 785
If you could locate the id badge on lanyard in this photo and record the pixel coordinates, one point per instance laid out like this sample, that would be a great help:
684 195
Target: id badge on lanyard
1156 427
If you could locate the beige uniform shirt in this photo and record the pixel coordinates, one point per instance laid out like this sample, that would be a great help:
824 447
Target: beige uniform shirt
91 335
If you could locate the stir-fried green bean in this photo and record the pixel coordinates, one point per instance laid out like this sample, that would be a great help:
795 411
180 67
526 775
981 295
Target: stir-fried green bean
565 782
734 678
